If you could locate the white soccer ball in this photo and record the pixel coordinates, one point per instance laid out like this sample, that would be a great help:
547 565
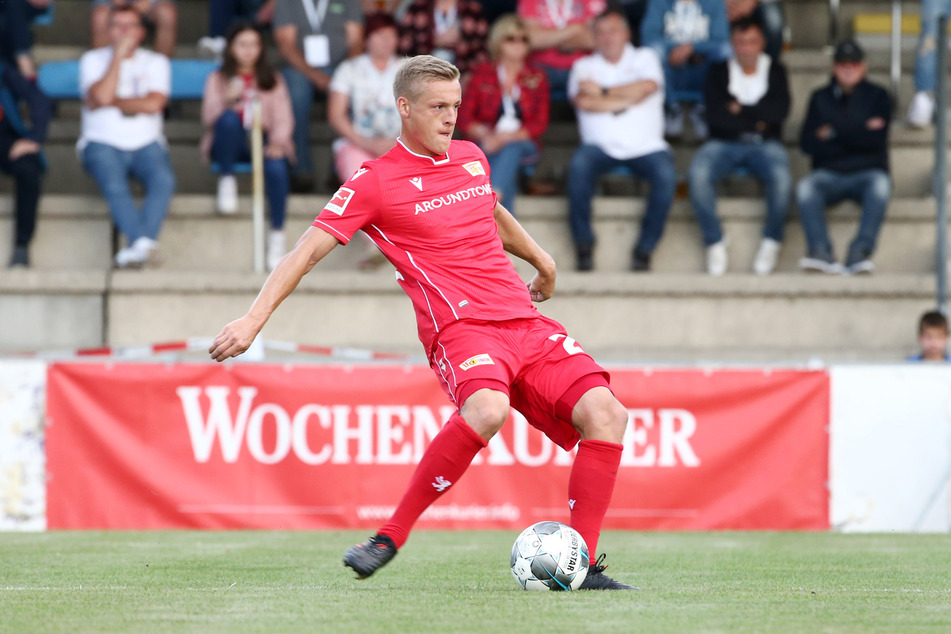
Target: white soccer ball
550 556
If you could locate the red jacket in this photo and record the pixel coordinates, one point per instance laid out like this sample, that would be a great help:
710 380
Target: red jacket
482 99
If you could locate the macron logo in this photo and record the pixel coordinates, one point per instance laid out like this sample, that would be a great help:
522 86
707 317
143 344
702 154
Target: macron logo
441 484
571 504
417 182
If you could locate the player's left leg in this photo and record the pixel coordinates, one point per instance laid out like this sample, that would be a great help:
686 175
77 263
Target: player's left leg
601 421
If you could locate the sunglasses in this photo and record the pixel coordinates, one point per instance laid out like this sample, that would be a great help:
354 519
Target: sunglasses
516 38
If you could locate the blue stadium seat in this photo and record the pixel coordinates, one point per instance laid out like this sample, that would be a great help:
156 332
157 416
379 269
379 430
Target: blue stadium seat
59 80
188 77
45 18
239 168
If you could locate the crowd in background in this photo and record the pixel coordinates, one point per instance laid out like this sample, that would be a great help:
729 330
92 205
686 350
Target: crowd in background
635 71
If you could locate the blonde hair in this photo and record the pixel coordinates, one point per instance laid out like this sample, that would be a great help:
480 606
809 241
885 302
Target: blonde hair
506 25
420 69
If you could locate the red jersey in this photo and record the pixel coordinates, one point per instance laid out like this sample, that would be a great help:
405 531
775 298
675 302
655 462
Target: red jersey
434 220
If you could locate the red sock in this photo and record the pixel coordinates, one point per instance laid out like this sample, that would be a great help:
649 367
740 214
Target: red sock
442 464
590 486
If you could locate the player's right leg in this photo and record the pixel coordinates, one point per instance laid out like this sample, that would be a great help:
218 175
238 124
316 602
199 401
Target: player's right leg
443 463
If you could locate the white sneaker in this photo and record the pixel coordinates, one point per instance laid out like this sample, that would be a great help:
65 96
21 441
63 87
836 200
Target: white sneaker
227 194
212 46
141 252
674 122
276 246
921 112
765 260
698 121
717 258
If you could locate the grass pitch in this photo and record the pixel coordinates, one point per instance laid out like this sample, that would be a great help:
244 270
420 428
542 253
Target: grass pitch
459 582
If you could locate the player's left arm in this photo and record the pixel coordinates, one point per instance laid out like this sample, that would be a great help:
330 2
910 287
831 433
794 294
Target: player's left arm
516 241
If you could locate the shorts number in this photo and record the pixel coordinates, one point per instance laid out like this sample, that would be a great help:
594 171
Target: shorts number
569 344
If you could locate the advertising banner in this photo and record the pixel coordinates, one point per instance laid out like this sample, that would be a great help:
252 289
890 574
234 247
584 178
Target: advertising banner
22 459
141 446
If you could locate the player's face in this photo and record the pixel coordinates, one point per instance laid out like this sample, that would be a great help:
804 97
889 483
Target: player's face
428 121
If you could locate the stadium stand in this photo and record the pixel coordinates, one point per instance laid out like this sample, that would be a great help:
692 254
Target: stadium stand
674 314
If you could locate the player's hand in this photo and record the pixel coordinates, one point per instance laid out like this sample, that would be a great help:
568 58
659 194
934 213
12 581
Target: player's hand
542 286
234 339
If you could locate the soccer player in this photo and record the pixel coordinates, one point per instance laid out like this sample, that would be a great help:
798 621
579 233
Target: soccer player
428 204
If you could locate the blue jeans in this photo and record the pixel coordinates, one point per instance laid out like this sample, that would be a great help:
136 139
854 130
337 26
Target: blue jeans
505 165
557 81
766 161
926 54
302 97
589 163
230 146
150 165
223 13
870 188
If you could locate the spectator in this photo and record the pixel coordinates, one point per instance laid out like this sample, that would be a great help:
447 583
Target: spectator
20 156
506 107
747 101
125 89
16 33
689 36
453 30
769 13
226 113
634 11
617 94
162 13
313 38
495 9
559 33
932 337
223 13
846 134
921 111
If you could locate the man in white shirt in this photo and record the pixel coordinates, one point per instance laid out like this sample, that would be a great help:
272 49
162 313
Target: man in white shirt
125 90
618 94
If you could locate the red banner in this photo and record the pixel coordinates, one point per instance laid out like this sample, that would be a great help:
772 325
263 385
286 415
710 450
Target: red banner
133 446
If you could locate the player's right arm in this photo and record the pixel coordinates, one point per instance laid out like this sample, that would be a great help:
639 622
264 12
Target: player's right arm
237 336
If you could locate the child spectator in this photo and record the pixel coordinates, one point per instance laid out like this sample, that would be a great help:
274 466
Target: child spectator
506 107
932 337
226 113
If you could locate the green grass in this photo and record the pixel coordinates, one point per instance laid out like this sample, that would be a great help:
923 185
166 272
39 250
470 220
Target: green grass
459 582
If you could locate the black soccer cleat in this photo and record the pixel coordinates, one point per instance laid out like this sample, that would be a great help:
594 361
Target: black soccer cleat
370 556
597 580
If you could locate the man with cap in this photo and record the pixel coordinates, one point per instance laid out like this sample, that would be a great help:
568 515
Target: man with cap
846 134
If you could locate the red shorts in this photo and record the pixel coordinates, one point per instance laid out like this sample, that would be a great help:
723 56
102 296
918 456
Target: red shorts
534 361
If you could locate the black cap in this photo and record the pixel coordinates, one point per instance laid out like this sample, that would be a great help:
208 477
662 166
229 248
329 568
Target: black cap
848 51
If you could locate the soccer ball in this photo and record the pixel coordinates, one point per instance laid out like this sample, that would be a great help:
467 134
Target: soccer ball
550 556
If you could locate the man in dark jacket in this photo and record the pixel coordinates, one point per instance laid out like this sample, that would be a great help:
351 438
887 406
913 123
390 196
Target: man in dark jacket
747 99
20 152
846 133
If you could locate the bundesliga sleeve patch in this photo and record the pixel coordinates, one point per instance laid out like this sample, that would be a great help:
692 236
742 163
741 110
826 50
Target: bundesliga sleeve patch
338 203
479 359
475 168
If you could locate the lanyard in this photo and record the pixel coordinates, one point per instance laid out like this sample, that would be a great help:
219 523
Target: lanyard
315 13
560 12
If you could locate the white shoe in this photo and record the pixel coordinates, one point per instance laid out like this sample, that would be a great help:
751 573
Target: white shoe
698 121
674 122
717 258
141 252
765 260
212 46
276 246
921 112
227 194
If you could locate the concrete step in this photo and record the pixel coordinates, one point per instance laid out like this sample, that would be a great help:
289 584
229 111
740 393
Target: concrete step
75 232
661 318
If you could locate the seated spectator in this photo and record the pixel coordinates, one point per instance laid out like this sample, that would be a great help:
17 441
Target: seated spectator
932 337
846 134
16 33
224 13
506 107
162 13
921 111
125 89
453 30
312 45
20 156
227 114
747 101
617 92
559 33
769 13
688 36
